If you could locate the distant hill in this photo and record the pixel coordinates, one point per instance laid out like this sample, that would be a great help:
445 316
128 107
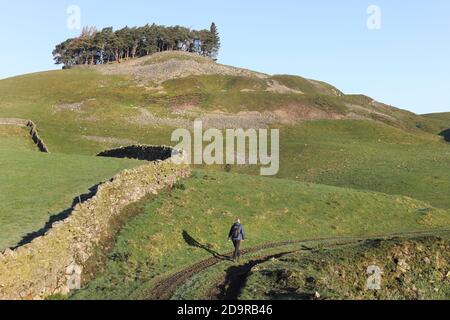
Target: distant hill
442 118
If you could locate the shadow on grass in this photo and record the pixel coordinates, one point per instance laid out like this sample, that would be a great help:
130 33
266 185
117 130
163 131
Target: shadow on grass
58 217
237 276
194 243
446 135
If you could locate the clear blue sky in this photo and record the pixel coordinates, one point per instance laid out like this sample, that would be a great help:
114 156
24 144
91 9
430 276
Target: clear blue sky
406 63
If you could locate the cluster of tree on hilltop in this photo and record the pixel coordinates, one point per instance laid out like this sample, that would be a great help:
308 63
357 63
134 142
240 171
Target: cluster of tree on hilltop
100 47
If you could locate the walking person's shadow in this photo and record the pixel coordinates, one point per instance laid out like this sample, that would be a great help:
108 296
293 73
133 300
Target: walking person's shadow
194 243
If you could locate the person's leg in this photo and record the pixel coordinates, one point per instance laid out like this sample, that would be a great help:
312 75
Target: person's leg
235 244
237 250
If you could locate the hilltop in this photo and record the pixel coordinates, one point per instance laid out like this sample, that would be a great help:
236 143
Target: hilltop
168 65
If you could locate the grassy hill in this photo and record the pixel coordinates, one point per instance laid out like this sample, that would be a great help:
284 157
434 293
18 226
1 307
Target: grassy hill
77 109
442 118
349 165
408 266
372 146
364 155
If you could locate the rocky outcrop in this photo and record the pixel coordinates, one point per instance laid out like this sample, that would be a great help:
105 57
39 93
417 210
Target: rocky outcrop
46 265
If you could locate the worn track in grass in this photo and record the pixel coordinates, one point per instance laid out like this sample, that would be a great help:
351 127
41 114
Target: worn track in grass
165 288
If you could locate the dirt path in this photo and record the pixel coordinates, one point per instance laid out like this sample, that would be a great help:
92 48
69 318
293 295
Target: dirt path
13 122
165 288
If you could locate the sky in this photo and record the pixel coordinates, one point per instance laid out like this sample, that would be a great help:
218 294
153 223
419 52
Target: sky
403 59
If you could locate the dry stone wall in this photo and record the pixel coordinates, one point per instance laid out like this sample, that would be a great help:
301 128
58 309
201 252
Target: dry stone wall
140 152
36 138
41 268
32 130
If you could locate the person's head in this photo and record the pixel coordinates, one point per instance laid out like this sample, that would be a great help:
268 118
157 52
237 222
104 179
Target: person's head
238 220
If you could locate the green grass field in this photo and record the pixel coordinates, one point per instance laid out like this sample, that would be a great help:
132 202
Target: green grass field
368 156
35 186
15 137
364 155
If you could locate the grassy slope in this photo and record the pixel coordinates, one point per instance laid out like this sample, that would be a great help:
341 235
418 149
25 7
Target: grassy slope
14 137
443 121
365 155
412 269
157 241
370 156
166 56
397 158
35 186
334 269
443 117
110 101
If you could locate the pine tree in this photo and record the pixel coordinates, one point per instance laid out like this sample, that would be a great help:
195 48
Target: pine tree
215 39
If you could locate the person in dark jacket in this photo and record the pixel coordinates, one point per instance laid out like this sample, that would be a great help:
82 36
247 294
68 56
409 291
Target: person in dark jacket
237 234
